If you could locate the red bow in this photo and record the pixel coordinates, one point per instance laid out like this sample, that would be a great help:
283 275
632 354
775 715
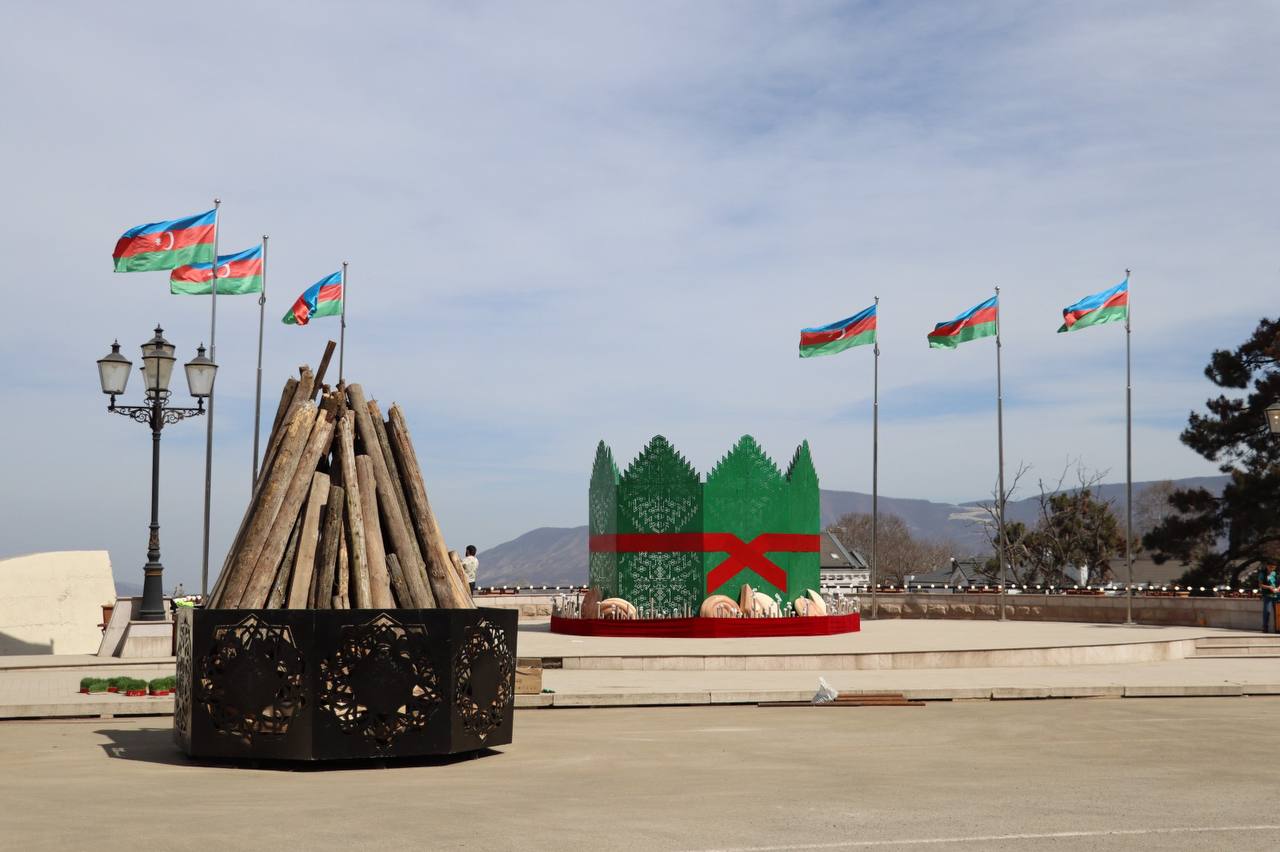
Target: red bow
741 554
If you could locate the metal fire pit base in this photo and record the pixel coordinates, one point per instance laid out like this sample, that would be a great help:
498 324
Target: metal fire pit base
343 684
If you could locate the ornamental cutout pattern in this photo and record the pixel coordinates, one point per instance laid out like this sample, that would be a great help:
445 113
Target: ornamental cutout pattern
483 643
380 683
251 681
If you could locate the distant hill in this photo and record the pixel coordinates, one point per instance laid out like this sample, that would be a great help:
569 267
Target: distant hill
558 555
550 556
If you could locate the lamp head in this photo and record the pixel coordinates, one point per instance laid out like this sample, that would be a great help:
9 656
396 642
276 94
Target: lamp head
157 363
201 372
113 371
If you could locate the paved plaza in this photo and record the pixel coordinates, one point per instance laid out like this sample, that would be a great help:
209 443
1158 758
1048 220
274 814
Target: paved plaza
1149 774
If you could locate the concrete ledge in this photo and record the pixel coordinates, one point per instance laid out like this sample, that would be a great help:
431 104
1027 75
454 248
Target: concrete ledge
1069 655
1086 692
629 699
1183 691
542 699
91 706
1006 693
945 693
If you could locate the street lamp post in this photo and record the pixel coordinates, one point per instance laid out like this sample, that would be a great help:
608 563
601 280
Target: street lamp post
157 360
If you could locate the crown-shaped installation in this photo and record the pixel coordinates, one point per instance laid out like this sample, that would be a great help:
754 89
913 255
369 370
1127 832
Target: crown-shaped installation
664 540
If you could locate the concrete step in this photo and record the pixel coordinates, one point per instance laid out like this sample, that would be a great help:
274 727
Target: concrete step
1247 641
1223 653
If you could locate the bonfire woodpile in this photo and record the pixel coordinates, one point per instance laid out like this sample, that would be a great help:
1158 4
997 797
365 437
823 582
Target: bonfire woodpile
339 517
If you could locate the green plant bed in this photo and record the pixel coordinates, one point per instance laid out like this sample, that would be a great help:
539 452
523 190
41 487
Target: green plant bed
162 685
93 685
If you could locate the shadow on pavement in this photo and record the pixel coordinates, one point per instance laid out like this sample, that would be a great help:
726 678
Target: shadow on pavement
156 745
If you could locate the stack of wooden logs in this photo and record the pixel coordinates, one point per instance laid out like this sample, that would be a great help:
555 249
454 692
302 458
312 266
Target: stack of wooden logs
339 517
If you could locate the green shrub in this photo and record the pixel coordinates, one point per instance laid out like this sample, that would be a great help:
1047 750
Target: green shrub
95 684
118 682
163 684
86 681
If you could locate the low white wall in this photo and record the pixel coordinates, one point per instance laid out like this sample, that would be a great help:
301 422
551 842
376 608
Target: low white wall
51 603
1233 613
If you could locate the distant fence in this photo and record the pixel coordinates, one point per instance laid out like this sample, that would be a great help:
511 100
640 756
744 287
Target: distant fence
1173 605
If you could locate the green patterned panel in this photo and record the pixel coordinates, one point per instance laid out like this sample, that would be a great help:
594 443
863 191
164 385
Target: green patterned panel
603 520
805 517
660 492
746 495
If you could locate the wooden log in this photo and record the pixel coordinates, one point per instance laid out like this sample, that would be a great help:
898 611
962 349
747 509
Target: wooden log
403 539
301 396
267 506
439 570
391 498
305 562
461 572
280 588
342 597
375 554
321 595
357 552
318 443
324 365
404 596
286 397
290 387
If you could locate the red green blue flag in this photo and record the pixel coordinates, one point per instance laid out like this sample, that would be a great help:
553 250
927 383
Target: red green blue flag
322 299
978 321
164 245
1108 306
857 330
238 274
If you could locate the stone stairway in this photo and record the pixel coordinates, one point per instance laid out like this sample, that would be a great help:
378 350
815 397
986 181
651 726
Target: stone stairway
1246 645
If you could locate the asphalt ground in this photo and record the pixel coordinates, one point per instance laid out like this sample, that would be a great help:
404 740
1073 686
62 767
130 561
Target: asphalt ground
1146 774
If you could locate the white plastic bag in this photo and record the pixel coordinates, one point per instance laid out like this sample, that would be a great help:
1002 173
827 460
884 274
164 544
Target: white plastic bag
825 694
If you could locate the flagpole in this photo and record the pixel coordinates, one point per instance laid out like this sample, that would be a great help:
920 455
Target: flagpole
208 438
342 332
257 396
1128 454
875 464
1000 444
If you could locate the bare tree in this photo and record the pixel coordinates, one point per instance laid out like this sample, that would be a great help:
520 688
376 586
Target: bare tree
1019 562
898 552
1074 528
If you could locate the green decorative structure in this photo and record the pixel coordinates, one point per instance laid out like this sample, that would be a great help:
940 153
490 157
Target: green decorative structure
664 540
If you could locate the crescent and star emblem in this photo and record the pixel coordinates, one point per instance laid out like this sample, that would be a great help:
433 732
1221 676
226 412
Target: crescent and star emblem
160 246
224 271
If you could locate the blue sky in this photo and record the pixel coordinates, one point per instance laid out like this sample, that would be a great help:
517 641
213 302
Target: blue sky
576 221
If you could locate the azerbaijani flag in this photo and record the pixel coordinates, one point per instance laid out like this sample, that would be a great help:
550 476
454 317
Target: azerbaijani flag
322 299
164 245
1108 306
237 274
857 330
978 321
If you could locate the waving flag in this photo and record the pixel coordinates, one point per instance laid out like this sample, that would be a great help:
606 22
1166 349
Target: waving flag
164 245
857 330
322 299
1108 306
237 274
978 321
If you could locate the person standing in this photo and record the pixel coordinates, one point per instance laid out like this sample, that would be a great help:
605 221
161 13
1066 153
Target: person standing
1270 596
470 565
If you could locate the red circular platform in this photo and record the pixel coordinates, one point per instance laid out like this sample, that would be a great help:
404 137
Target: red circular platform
709 628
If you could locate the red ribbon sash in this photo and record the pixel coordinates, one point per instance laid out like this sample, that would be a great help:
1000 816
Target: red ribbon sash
740 554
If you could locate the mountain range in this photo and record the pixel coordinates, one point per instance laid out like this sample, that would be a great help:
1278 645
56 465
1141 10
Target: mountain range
558 555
